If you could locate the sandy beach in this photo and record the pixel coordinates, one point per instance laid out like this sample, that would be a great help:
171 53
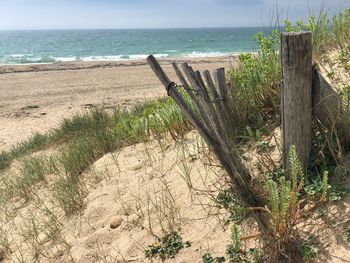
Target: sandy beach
35 98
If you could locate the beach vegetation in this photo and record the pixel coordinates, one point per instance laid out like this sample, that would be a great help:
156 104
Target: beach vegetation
256 84
347 234
308 250
31 172
167 247
209 258
87 137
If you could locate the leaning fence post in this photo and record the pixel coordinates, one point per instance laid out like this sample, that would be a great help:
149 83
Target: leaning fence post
296 64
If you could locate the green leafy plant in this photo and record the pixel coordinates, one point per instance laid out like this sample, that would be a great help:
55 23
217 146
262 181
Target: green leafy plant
319 187
283 196
307 250
233 249
167 246
256 80
229 201
263 146
341 30
236 254
319 28
347 234
208 258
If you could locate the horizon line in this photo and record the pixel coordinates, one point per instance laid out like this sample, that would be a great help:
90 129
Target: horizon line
130 28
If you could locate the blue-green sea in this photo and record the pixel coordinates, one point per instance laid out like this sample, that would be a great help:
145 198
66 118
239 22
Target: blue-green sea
49 46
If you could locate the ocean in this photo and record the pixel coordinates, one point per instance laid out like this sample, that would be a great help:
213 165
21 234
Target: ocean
49 46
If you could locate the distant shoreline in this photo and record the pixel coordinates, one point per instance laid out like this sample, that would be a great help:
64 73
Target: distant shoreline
84 65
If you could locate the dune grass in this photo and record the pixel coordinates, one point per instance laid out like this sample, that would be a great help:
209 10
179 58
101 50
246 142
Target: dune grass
86 137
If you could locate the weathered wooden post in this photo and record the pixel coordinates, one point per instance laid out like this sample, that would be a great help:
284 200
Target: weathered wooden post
296 64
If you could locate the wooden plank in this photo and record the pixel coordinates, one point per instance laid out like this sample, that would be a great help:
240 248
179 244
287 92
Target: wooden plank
157 69
220 79
191 92
212 114
202 84
221 87
296 63
215 96
196 98
208 112
328 108
203 131
326 103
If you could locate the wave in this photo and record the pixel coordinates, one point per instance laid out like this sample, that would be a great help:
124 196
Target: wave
31 59
20 55
47 59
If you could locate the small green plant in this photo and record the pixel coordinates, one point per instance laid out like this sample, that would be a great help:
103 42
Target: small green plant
347 234
236 254
307 250
233 250
254 135
167 246
319 187
208 258
235 239
263 146
229 201
284 201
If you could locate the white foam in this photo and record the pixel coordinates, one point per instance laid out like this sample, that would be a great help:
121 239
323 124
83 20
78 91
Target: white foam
19 55
102 58
210 54
120 57
161 55
133 57
65 59
144 56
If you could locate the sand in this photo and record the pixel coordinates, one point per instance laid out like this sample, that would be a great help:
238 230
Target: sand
35 98
144 190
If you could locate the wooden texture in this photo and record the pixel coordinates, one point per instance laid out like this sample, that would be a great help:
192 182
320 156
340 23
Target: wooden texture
329 110
326 104
296 63
221 87
216 98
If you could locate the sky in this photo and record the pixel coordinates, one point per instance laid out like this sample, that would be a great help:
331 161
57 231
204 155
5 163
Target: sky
79 14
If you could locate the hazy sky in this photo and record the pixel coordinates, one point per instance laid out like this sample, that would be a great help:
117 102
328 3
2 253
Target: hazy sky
61 14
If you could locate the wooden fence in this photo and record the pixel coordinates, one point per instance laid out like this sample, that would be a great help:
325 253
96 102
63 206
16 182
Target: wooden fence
305 94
